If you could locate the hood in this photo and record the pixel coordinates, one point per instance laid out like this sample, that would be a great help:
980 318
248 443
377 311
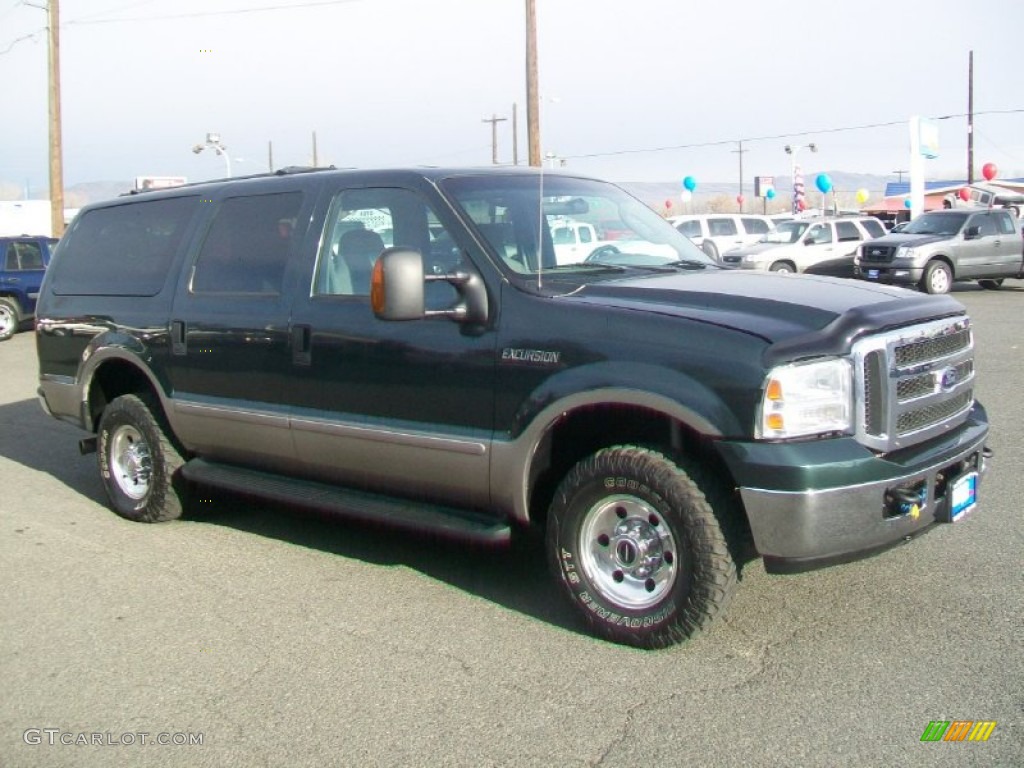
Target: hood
776 308
746 250
902 238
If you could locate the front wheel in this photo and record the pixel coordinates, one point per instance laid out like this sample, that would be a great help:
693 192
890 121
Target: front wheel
10 318
782 267
638 548
937 277
138 463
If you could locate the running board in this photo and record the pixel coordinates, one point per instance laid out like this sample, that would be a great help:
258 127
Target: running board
447 522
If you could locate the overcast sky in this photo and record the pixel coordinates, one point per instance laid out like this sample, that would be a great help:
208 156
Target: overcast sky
409 82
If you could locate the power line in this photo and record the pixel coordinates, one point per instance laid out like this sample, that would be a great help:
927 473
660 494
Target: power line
798 134
199 14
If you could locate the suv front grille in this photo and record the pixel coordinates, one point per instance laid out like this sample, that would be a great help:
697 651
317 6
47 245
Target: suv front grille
915 383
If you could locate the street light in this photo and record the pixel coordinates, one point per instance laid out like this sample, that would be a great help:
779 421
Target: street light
798 189
213 142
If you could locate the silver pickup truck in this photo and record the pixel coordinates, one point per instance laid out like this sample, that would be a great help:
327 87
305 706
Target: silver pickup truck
940 247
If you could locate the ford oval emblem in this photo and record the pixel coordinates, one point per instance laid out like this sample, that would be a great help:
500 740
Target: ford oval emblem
949 379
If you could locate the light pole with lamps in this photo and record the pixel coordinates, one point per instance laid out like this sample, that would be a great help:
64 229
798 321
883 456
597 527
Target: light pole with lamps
798 188
213 142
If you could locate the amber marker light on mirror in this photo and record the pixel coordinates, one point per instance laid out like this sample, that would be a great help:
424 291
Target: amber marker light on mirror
377 286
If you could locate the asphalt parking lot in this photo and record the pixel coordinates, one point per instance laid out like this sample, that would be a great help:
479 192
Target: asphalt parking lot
279 638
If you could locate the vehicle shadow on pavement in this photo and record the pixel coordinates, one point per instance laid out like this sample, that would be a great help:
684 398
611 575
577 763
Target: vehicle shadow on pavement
37 441
516 576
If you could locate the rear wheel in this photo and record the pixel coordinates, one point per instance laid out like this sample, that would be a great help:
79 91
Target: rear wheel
138 463
782 267
10 318
991 285
937 277
638 548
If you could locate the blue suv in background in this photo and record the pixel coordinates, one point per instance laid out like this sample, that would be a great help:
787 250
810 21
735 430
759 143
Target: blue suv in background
23 262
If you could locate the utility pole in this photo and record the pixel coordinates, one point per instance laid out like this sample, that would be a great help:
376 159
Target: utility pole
314 150
56 147
532 95
270 156
970 118
899 172
740 151
515 135
494 120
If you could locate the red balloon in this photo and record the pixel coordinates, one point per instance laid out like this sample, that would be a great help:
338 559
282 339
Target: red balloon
964 194
740 199
801 205
668 203
989 171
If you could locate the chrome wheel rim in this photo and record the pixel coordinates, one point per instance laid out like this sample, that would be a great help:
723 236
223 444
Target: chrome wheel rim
6 321
131 464
627 552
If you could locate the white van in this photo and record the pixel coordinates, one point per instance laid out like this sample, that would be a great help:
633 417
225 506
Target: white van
717 233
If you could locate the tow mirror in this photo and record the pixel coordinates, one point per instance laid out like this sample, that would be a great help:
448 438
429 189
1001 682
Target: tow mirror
396 287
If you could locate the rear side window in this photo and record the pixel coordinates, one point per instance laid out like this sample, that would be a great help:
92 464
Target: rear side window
124 250
246 247
689 228
846 231
718 227
1005 224
873 228
755 226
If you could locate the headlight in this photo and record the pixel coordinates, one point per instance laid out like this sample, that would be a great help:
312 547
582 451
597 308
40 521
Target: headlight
807 399
753 258
904 252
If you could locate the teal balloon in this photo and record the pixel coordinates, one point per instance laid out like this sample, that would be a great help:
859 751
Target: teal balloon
770 194
906 203
690 183
823 183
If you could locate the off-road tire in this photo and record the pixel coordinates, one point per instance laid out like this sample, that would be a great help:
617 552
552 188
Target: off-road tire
138 463
629 490
10 318
991 285
938 278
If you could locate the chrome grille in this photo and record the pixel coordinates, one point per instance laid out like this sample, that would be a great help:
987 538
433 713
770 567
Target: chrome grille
932 349
914 382
920 418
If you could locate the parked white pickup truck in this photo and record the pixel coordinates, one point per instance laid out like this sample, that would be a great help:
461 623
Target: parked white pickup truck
577 241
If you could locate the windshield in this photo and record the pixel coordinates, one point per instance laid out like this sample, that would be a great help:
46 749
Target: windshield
935 224
587 227
786 232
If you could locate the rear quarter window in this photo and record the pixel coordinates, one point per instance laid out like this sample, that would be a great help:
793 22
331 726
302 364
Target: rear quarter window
124 250
873 228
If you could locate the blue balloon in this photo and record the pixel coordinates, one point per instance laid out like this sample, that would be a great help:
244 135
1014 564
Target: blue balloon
906 203
690 183
823 183
770 194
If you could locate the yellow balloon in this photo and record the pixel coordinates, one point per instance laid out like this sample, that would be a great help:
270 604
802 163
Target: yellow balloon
862 196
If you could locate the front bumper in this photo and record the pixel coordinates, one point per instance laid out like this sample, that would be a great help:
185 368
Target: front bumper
889 274
824 502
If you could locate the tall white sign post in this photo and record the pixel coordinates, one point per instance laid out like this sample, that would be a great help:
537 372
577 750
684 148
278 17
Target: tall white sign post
924 144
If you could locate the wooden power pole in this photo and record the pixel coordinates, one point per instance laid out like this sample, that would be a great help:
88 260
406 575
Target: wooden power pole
532 96
494 120
56 148
970 118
